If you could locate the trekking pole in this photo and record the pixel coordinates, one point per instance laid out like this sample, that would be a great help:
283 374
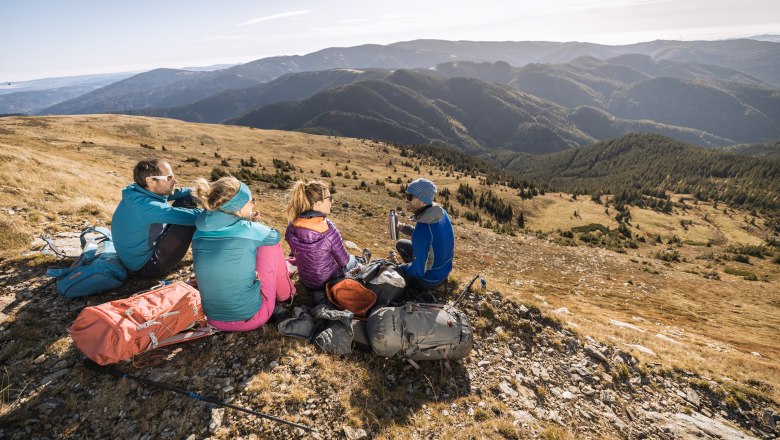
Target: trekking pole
92 365
468 287
45 285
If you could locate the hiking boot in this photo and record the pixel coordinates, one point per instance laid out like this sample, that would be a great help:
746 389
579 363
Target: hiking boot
392 257
281 311
363 258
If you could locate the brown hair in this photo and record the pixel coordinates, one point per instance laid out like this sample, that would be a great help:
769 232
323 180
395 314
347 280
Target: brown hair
303 196
212 196
146 168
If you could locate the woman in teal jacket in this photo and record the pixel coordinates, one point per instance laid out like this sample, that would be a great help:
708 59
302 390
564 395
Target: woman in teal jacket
239 263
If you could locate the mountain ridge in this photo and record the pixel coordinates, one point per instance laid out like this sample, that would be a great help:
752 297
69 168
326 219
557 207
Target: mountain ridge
755 58
466 113
719 105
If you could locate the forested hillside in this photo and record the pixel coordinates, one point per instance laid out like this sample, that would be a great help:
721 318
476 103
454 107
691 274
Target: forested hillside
647 164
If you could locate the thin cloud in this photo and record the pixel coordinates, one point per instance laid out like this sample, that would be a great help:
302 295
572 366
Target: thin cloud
353 20
276 16
220 38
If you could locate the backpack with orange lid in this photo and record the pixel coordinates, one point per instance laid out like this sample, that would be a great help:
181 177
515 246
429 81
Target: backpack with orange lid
350 294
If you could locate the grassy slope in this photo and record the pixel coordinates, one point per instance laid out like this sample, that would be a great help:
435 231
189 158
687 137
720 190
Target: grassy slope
52 180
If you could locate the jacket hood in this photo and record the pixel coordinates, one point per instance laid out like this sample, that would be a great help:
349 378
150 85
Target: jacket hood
317 224
305 235
215 220
135 190
431 215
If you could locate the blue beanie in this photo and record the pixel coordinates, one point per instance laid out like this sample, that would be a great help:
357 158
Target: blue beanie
423 189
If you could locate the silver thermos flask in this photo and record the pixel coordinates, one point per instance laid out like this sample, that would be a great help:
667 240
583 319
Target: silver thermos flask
392 224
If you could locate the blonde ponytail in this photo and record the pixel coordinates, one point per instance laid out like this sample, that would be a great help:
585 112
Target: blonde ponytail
303 196
212 196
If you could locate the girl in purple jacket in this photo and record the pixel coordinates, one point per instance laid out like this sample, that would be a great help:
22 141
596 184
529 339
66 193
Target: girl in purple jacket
315 241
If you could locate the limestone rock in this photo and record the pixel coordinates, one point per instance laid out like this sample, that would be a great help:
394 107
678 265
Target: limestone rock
355 433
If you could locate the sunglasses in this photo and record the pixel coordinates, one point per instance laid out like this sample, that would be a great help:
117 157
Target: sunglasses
252 200
169 177
409 197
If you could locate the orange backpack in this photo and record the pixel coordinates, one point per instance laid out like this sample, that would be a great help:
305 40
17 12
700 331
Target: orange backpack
118 330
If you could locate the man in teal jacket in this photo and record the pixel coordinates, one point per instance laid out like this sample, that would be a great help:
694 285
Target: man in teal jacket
151 236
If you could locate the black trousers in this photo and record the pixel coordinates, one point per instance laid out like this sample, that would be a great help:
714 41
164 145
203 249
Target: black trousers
171 246
406 252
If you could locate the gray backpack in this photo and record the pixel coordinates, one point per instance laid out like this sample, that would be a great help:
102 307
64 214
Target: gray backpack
416 331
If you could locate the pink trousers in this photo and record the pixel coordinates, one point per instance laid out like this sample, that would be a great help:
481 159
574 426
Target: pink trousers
275 286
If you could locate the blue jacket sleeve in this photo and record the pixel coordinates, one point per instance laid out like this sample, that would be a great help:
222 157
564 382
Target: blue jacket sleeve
266 235
422 237
179 193
161 212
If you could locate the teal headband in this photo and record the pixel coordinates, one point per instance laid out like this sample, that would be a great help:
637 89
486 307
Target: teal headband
238 201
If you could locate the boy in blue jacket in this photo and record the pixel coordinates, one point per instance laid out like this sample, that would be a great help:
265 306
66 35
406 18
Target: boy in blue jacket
428 255
151 236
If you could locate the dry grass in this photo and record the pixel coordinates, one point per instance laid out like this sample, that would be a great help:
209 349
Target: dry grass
555 433
556 211
54 181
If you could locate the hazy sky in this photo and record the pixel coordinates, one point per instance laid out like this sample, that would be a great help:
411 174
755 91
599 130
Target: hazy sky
61 38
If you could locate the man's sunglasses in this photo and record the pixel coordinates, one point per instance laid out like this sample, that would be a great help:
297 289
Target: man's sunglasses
409 197
169 177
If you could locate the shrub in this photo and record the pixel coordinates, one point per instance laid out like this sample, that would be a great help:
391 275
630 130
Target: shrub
670 255
283 165
750 276
217 173
712 275
753 251
252 162
590 228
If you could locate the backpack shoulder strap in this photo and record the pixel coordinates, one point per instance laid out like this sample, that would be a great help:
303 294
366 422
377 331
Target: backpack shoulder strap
106 233
187 335
50 243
